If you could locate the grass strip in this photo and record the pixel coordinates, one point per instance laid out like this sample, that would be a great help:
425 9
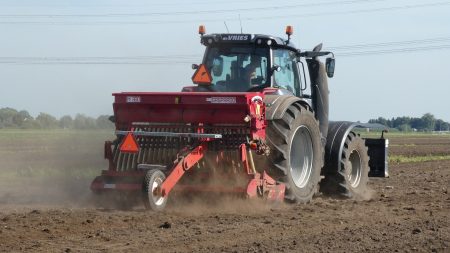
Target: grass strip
402 145
417 159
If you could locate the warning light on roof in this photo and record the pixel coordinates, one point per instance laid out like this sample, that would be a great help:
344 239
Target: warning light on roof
129 144
202 76
201 30
289 30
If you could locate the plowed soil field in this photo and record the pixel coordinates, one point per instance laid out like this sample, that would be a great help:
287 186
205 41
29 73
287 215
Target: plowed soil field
46 206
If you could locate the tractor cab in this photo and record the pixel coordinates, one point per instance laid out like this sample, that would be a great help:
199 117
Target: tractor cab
251 62
237 67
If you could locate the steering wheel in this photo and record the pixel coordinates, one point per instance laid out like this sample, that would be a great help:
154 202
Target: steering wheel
220 86
258 80
260 84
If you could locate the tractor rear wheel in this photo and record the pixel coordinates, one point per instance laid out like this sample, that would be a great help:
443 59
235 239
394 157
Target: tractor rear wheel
296 153
351 179
153 198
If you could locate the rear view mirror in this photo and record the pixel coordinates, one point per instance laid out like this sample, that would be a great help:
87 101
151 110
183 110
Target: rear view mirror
329 67
275 68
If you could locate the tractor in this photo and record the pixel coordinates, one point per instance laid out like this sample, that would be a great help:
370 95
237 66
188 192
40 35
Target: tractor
254 124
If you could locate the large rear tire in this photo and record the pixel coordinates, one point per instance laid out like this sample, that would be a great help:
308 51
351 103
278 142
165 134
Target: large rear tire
352 178
296 156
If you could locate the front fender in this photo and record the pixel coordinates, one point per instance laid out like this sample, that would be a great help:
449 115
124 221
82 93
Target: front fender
377 148
337 132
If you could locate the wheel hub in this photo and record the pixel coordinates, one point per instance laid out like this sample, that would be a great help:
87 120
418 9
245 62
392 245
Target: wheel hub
301 156
157 197
354 170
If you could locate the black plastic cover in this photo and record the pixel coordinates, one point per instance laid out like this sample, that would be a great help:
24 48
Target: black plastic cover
378 152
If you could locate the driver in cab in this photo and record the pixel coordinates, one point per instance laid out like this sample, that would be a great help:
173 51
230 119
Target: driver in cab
249 73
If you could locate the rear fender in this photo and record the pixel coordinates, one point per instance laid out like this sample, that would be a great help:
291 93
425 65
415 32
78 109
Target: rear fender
276 105
377 148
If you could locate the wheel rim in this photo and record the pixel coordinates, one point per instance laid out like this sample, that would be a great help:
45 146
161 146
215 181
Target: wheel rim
301 156
354 176
156 193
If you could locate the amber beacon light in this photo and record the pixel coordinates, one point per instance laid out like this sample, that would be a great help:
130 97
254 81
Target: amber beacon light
289 30
201 30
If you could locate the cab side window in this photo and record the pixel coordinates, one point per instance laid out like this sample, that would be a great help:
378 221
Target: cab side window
287 78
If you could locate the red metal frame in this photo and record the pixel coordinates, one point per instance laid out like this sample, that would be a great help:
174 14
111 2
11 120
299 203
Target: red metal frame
206 108
108 154
191 107
261 184
183 165
111 180
101 186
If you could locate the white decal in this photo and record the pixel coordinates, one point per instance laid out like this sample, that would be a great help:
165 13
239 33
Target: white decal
235 37
221 100
133 99
109 186
257 99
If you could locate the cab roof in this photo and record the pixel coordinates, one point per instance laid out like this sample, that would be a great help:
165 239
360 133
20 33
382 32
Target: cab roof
242 38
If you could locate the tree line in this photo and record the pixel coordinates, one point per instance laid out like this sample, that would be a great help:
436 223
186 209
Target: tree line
12 118
426 123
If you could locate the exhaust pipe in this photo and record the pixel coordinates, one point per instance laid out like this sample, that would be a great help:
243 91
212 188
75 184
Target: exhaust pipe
319 94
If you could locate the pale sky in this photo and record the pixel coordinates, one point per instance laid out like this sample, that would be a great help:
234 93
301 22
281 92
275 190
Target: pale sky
67 57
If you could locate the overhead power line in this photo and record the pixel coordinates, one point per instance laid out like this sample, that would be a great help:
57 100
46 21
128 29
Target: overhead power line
392 51
392 43
392 47
392 8
93 62
343 48
96 60
126 61
65 58
247 18
171 13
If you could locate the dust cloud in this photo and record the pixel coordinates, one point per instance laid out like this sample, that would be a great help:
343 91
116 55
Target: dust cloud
366 195
55 169
50 169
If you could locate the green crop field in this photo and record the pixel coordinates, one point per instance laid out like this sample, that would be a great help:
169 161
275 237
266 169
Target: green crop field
31 156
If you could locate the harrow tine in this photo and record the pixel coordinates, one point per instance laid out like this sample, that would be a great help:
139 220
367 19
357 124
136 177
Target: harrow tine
134 158
120 162
148 150
124 162
116 155
152 146
140 155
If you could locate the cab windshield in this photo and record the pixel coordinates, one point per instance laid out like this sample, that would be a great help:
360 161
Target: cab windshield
237 68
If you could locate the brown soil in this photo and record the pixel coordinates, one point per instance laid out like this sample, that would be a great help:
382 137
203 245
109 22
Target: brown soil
407 212
421 146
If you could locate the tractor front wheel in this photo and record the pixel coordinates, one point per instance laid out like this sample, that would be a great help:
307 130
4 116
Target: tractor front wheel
353 175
